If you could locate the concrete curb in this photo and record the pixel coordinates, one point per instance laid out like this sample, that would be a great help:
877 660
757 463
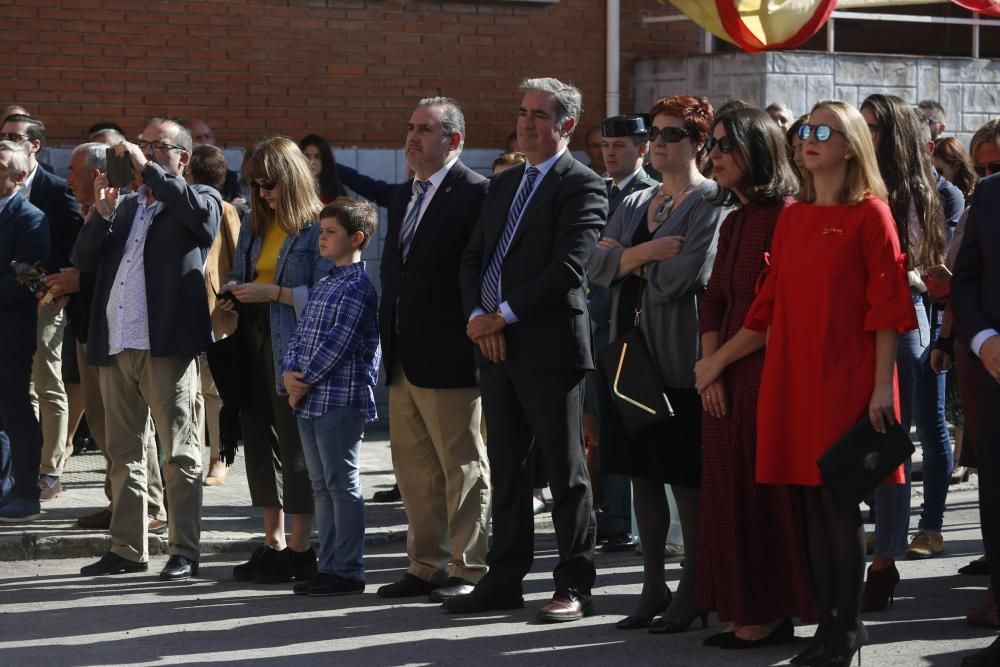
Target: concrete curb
32 546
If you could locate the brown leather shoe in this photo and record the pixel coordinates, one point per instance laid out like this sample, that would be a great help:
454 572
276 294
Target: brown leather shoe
96 521
217 472
157 527
566 606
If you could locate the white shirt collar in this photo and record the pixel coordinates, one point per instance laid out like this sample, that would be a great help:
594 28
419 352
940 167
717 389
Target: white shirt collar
437 177
544 167
628 179
26 186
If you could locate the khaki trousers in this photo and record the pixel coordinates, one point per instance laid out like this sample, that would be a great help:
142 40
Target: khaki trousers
209 407
93 407
439 458
49 392
133 386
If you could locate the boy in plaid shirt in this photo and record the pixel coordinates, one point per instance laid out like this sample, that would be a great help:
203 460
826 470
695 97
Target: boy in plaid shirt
330 367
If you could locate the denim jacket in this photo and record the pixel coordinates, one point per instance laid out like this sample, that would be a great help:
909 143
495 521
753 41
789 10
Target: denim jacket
299 266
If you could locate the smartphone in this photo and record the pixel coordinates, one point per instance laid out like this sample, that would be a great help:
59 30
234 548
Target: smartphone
119 168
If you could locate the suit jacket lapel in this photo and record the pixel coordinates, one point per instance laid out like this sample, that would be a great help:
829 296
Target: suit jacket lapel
12 208
437 203
544 191
498 215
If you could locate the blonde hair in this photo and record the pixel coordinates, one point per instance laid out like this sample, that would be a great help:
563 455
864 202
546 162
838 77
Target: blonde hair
863 178
279 159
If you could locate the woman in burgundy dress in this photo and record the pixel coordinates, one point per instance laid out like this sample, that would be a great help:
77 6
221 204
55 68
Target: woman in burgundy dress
755 529
831 310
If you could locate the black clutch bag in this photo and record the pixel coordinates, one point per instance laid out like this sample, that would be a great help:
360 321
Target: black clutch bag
861 459
636 389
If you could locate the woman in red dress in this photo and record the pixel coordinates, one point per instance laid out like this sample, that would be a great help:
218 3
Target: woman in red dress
755 528
831 311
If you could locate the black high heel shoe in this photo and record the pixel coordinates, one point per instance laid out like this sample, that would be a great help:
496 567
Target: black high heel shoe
783 633
718 638
880 588
637 622
843 645
816 647
662 626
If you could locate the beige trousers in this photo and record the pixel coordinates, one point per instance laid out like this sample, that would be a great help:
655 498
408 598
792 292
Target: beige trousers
133 386
209 407
93 407
49 392
439 458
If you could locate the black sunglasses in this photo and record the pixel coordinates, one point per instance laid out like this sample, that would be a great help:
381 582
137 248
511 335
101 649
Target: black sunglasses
822 132
984 170
670 135
725 145
267 185
16 137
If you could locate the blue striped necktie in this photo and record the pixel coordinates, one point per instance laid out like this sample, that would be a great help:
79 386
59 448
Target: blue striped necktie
489 294
410 223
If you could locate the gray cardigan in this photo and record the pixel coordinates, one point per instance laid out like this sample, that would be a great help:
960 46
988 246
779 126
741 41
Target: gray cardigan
669 318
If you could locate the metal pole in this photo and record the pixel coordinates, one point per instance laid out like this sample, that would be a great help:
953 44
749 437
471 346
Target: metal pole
830 35
612 96
975 35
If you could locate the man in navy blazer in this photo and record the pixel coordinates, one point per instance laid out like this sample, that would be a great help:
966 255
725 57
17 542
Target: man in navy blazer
149 322
435 417
51 194
975 303
24 238
524 292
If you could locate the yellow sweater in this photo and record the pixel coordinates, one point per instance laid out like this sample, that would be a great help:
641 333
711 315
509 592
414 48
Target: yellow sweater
267 263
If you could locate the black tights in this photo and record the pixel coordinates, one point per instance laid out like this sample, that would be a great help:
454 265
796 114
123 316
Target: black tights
835 539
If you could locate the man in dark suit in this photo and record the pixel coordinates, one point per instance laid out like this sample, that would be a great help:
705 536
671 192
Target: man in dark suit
624 142
435 415
24 237
149 323
975 302
49 193
524 290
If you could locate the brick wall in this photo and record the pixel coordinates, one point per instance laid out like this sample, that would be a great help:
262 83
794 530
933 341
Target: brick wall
350 70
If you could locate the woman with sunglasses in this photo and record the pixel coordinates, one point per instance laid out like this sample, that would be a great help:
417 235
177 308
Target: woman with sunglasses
657 253
755 529
830 310
323 165
900 138
277 260
954 163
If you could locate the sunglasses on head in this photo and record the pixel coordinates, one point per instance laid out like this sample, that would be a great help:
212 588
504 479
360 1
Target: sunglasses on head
725 145
267 185
670 135
821 132
984 170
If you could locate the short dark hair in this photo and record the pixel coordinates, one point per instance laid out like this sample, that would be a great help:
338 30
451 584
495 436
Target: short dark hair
761 144
353 215
105 125
208 166
183 137
35 129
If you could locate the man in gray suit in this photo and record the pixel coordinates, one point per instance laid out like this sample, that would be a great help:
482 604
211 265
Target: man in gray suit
150 321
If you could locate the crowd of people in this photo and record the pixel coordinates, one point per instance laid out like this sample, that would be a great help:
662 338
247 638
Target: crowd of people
786 278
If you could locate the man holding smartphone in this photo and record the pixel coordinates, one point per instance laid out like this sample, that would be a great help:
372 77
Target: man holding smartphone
155 324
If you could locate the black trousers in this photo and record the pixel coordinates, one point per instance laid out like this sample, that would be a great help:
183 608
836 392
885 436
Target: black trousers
526 410
981 401
20 433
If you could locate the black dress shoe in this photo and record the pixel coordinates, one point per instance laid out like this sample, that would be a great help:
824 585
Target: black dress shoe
388 496
112 563
179 567
452 588
409 586
980 566
620 542
784 633
477 603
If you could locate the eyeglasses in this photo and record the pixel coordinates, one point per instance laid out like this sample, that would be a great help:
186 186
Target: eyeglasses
158 145
267 185
670 135
821 132
725 145
984 170
16 137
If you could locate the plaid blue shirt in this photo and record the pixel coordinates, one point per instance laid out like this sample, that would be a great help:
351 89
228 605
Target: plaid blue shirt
336 344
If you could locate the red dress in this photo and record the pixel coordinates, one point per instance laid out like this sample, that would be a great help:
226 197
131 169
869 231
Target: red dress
752 565
836 277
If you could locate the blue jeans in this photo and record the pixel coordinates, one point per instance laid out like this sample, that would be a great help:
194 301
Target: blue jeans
331 443
892 501
932 428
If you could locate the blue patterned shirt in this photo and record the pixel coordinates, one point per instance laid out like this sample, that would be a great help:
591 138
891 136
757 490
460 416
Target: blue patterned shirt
127 313
336 344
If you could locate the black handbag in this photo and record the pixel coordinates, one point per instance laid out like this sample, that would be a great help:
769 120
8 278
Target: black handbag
861 460
637 391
